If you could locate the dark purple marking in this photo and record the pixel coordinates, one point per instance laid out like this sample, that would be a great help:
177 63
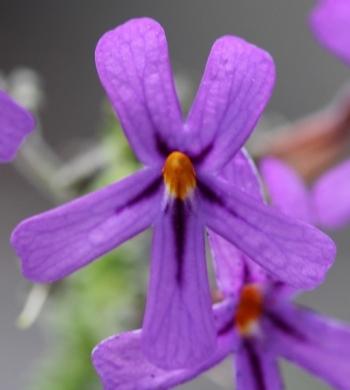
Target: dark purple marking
208 193
258 372
143 194
213 197
162 146
277 284
247 276
284 326
164 149
202 155
226 328
179 229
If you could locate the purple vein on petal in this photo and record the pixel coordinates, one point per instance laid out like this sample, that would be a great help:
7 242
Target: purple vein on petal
178 329
255 363
285 327
179 231
145 193
54 244
16 124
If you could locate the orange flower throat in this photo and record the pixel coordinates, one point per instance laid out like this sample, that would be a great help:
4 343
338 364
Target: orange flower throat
249 309
179 175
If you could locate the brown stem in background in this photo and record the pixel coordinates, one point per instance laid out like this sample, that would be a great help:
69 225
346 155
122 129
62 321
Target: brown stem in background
314 144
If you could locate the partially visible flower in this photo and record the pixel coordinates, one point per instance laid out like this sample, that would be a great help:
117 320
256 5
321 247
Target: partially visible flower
270 326
259 327
330 22
264 326
178 193
326 203
15 124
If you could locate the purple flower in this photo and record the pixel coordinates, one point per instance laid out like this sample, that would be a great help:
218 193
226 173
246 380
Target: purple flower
265 326
269 326
330 22
326 203
259 327
178 193
15 124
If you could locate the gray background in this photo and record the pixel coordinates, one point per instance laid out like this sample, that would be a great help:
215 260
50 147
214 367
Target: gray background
57 38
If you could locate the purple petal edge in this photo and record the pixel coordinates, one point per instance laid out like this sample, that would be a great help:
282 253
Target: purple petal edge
55 243
331 197
316 343
121 364
132 62
291 250
237 83
330 23
15 125
286 189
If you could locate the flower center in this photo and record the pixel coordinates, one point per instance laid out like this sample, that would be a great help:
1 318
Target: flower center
249 309
179 175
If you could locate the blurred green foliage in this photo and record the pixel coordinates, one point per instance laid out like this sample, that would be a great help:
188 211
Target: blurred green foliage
103 299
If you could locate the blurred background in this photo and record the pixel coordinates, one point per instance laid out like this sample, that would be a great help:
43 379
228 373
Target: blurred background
57 40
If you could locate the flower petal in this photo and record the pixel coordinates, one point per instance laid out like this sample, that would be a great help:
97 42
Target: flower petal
53 244
224 316
256 367
330 23
232 267
331 197
121 364
230 264
178 329
237 83
286 189
314 342
242 173
15 124
292 251
133 65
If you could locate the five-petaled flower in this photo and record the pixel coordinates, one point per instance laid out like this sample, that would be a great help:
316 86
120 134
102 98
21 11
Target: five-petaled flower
256 321
330 23
15 124
178 192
